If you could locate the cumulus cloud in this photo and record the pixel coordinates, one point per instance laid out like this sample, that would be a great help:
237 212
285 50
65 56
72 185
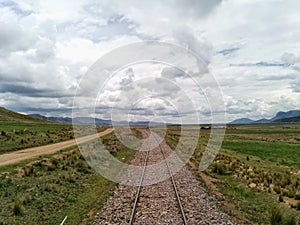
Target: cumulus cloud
171 73
128 79
199 45
46 47
290 58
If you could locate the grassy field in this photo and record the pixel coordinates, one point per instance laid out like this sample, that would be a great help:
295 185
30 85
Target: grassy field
46 189
17 135
14 136
18 131
257 172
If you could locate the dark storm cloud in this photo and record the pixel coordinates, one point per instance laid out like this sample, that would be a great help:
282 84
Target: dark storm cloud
26 90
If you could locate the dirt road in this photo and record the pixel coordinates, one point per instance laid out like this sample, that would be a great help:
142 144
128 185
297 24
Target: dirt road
14 157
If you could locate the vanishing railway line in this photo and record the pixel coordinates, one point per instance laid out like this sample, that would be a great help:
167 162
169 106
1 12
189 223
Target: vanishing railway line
135 205
158 195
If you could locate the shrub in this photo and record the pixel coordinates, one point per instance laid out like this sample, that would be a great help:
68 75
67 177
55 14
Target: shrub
26 198
276 216
220 168
54 161
277 189
51 167
291 220
18 208
280 198
298 206
28 170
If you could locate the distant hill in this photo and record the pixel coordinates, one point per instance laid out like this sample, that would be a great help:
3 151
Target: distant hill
67 120
91 120
261 121
289 116
283 115
242 121
8 115
76 120
295 119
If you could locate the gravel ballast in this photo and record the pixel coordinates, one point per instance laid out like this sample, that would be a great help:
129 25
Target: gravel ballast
157 203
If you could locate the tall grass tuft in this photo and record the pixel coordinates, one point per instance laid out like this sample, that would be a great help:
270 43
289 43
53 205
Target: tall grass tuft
276 216
18 207
220 168
291 220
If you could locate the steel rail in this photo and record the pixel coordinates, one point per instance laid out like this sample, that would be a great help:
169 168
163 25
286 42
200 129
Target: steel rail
139 190
141 182
174 185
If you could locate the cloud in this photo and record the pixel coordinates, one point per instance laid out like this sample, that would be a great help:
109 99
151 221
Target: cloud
290 58
47 46
126 81
171 73
295 84
199 45
228 51
13 36
197 8
261 64
277 77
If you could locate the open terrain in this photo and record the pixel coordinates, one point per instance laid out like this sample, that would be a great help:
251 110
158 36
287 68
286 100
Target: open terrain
160 195
18 131
45 189
256 175
16 156
255 178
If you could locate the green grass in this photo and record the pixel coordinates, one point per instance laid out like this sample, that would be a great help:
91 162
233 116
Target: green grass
54 186
255 205
14 135
7 115
281 153
244 160
264 131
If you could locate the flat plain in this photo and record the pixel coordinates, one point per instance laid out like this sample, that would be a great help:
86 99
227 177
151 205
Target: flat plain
255 178
256 175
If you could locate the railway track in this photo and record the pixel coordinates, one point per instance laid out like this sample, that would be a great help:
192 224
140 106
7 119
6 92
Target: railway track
135 205
157 194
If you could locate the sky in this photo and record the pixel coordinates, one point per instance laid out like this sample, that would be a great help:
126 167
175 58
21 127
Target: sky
250 47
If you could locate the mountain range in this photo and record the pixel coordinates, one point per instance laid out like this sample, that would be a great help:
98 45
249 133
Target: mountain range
8 115
91 120
289 116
